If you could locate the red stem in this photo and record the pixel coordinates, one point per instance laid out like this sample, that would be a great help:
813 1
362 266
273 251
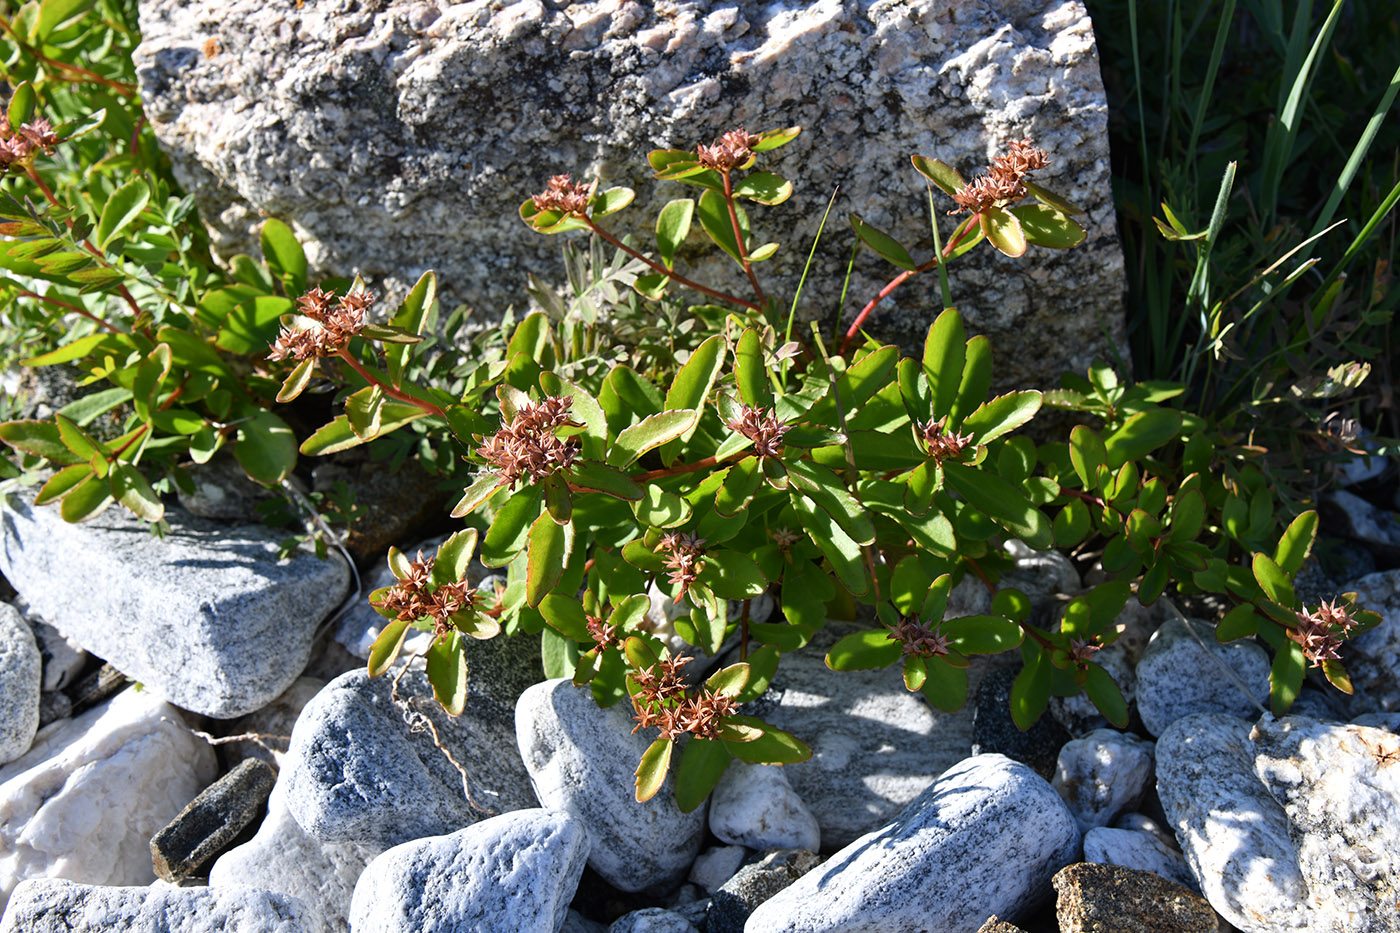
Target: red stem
635 254
125 90
739 236
74 308
367 376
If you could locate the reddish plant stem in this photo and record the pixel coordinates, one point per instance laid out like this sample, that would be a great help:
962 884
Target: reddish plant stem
636 254
739 237
904 276
678 469
74 308
367 376
83 74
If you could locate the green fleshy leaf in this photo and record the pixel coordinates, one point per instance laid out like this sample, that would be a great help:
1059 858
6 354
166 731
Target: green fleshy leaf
1286 677
729 681
1240 622
296 381
40 438
915 673
1087 453
1045 226
454 556
481 489
1001 415
364 409
750 374
22 101
976 378
1296 543
1103 691
828 490
731 575
88 499
661 509
447 672
387 647
1188 516
702 764
982 634
945 686
130 488
557 500
1046 196
611 201
284 256
883 244
599 477
864 651
764 187
694 381
1273 581
62 483
774 747
741 481
940 173
714 220
1141 434
772 139
509 531
651 771
1003 230
123 207
650 432
266 448
412 317
945 353
566 616
1030 691
672 227
550 546
1002 502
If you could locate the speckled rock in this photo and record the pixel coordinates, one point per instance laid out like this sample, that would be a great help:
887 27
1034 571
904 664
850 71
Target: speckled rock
994 732
875 745
357 773
1373 657
58 906
1041 575
755 806
373 134
516 872
212 820
715 866
1340 788
995 924
1234 835
1103 774
64 659
730 906
1104 898
1134 849
85 800
581 759
984 839
21 677
282 857
1354 517
1177 676
652 920
175 599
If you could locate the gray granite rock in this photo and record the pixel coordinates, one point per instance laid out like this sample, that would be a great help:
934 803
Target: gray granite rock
875 745
1340 788
575 922
652 920
412 122
1092 898
1133 849
1179 675
1373 657
716 865
1233 833
58 906
84 801
1390 722
223 492
1103 774
207 617
64 659
357 773
730 906
1141 822
1041 575
282 857
984 839
21 679
582 759
516 872
1354 517
755 806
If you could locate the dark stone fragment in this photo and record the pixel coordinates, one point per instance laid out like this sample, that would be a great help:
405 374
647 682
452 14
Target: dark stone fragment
212 820
53 707
1108 898
995 924
753 884
102 683
993 729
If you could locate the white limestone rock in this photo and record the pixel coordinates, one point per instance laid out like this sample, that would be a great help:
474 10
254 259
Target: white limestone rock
374 130
1102 774
755 806
652 920
513 872
56 906
1340 788
983 839
1177 676
716 865
1234 835
582 759
284 858
85 800
1136 849
21 675
207 617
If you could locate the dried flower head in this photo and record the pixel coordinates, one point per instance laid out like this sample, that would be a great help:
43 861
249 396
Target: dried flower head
943 446
729 152
763 427
918 641
335 321
19 147
413 597
603 634
527 445
1004 182
563 195
784 538
662 700
684 559
1321 631
1084 649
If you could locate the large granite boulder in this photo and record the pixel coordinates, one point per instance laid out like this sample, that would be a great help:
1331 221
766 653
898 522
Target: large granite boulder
402 135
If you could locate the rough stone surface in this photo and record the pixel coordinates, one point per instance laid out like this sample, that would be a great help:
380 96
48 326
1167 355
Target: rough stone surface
1177 676
716 865
64 659
272 724
755 806
514 872
995 924
1041 575
396 505
875 745
207 617
1103 774
984 839
283 857
374 135
223 492
1233 833
85 800
1106 898
358 774
575 922
1134 849
1373 657
753 884
582 760
21 678
994 732
652 920
1354 517
212 820
1340 787
55 906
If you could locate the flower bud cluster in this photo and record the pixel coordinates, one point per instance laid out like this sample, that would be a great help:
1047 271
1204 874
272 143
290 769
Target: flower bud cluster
729 152
762 426
663 701
19 147
917 641
943 446
411 599
527 445
684 559
336 321
1321 631
563 195
1004 181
